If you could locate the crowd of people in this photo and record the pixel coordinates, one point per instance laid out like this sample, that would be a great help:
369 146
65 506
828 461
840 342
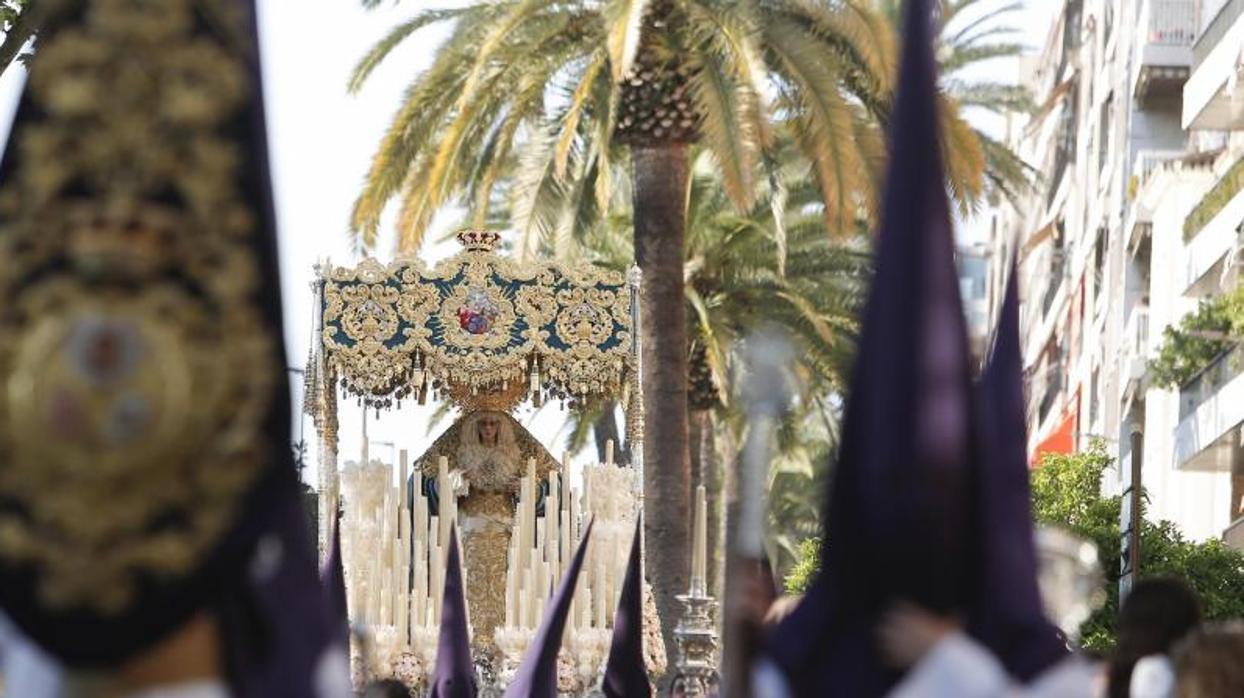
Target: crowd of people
152 539
1164 649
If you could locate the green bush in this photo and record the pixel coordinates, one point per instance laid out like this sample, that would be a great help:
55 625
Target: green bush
1066 492
1185 352
1214 200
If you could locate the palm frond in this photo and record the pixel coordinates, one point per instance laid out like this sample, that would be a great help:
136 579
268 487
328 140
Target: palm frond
396 36
625 20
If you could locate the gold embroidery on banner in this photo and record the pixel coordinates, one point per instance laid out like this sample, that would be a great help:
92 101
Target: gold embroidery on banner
136 369
477 351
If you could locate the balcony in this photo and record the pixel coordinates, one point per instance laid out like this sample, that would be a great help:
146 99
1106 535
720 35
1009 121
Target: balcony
1211 409
1234 535
1164 47
1211 231
1210 101
1135 351
1146 167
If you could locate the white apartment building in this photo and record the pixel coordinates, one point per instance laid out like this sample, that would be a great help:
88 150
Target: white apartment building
1135 99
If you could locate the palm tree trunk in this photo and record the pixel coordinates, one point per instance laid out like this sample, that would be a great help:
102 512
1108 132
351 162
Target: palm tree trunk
660 176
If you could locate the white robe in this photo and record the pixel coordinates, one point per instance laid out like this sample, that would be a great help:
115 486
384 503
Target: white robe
30 673
959 667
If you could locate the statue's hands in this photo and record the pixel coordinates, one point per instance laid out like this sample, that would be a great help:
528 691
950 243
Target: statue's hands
458 482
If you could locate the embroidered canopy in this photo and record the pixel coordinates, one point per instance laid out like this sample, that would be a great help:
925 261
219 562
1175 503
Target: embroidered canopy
480 328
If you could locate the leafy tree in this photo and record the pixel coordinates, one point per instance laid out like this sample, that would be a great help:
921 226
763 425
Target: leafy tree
1067 493
801 575
18 23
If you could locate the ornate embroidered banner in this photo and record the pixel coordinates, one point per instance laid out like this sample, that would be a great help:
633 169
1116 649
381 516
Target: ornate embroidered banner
478 327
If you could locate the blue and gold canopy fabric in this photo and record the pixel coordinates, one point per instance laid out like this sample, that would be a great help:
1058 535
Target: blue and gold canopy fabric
479 327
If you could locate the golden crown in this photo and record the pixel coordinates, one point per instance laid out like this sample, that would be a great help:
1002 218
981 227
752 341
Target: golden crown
496 398
478 240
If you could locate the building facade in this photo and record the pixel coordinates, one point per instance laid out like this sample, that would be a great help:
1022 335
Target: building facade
1132 138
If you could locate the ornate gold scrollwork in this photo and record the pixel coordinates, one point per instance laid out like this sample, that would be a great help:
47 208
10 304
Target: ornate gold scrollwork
136 369
475 324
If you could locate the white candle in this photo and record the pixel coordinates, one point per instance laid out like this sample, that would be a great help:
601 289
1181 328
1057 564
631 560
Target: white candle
587 491
511 586
525 599
598 587
421 585
436 579
609 451
445 492
700 541
403 576
421 511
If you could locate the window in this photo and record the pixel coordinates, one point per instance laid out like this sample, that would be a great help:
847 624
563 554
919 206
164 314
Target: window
1099 264
1103 131
1107 22
1094 395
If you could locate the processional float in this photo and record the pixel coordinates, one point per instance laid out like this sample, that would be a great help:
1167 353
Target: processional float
486 334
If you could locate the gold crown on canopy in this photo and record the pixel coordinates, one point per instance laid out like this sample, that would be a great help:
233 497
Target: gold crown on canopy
478 240
498 398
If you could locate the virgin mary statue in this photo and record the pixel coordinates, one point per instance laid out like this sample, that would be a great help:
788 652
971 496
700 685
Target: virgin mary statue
488 453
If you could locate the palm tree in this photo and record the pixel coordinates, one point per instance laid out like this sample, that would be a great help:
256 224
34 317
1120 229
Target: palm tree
557 86
970 36
745 271
573 80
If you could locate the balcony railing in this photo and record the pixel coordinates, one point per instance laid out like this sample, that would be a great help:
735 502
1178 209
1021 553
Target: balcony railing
1171 22
1216 29
1234 535
1136 334
1148 161
1210 380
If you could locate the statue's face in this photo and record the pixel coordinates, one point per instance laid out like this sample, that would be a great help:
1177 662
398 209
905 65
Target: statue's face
488 427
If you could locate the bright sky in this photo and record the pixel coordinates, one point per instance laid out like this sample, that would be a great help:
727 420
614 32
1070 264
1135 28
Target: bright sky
322 140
